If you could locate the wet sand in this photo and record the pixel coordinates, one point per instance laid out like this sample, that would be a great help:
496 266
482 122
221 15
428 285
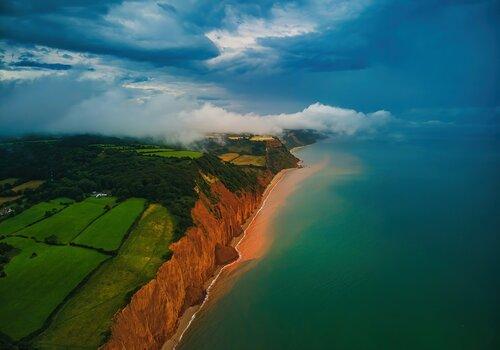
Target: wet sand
256 239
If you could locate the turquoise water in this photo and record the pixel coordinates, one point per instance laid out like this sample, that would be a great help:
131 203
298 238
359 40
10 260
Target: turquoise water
394 245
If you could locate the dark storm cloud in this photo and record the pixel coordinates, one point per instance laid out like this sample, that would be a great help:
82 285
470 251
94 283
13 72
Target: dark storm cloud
101 28
24 7
33 64
142 58
176 37
32 105
382 34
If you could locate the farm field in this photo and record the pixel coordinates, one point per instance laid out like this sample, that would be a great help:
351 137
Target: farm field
250 160
177 154
148 150
9 181
261 138
108 231
227 157
153 150
86 317
34 286
31 215
33 184
8 199
69 222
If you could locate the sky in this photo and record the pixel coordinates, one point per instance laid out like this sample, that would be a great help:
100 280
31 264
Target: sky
182 68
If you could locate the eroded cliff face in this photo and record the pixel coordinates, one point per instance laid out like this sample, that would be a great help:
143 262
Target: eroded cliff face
153 313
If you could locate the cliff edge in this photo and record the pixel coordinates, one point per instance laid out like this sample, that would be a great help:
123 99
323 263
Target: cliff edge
153 313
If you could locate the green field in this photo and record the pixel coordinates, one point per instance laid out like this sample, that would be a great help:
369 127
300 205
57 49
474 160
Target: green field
108 231
118 147
31 215
87 316
227 157
29 185
153 150
69 222
148 150
34 286
177 154
8 199
9 181
250 160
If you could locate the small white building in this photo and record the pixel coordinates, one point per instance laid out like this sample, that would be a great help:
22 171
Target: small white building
99 194
6 211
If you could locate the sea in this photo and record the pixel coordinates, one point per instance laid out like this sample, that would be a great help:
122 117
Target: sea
394 244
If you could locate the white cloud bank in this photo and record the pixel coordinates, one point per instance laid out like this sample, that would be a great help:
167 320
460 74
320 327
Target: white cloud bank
175 119
175 111
317 116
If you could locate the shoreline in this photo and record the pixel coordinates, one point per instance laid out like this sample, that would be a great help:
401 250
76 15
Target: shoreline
251 244
190 313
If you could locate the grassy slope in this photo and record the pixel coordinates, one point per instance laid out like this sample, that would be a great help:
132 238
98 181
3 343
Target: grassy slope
9 180
153 150
8 199
69 222
227 157
33 184
108 231
250 160
177 154
31 215
87 316
33 287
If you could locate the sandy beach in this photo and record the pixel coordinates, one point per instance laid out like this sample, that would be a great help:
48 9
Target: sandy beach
251 245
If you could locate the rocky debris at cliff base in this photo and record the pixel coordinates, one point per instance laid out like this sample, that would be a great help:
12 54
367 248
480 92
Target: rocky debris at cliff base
225 254
194 296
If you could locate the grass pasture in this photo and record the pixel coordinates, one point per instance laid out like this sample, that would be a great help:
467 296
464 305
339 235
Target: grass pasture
108 231
153 150
86 317
10 181
117 147
261 138
31 185
68 223
35 286
32 215
176 154
227 157
8 199
250 160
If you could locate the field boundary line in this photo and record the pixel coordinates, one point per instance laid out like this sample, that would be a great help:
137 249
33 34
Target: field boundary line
59 306
93 220
36 222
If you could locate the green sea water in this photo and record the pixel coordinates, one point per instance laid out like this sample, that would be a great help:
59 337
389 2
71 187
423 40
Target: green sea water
393 245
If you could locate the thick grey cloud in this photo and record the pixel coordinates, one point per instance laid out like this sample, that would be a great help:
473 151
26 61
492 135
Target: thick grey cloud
69 106
30 106
265 57
55 66
139 30
233 36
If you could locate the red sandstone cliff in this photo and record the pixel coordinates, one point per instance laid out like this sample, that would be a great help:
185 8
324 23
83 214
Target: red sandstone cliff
152 315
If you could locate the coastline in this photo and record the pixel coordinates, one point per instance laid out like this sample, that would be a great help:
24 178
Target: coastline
251 245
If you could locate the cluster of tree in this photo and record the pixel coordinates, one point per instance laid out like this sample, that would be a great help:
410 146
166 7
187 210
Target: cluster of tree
241 146
6 253
278 157
6 188
295 138
74 167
